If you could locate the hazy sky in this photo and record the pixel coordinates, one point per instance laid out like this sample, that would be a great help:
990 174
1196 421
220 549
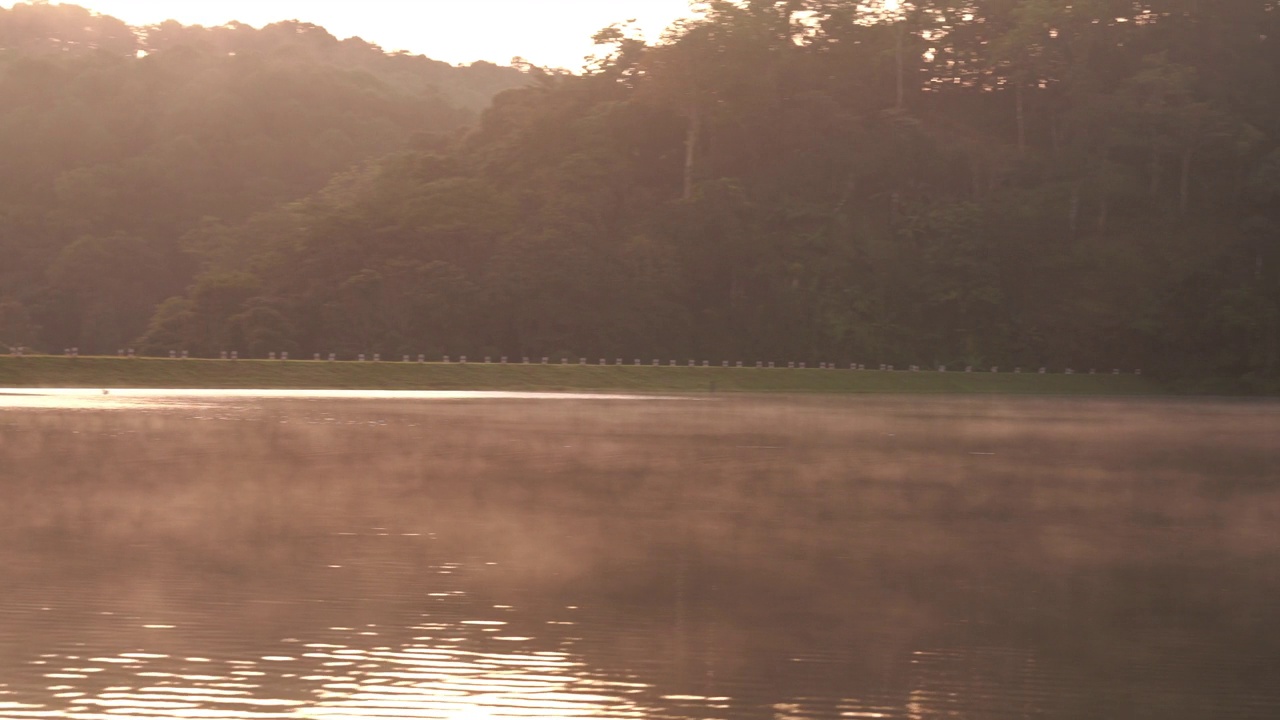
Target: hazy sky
546 32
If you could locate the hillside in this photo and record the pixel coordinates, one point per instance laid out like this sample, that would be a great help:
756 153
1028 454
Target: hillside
1023 183
122 146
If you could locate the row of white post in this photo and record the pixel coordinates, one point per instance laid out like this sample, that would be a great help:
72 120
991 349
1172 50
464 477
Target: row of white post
462 359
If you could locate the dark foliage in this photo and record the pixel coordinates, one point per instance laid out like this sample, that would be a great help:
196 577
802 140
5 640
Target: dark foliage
998 182
124 150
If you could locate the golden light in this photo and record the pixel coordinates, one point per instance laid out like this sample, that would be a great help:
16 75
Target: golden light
548 32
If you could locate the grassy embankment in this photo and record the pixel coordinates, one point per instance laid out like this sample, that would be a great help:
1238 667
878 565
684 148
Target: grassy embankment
111 372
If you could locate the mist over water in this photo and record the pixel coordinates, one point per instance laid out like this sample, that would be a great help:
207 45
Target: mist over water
218 556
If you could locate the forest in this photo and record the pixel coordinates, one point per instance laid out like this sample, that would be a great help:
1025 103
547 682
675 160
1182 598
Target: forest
937 182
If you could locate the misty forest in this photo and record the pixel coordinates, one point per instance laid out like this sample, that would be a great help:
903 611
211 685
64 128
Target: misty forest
943 182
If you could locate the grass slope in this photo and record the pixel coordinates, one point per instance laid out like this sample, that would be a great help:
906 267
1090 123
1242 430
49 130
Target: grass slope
110 372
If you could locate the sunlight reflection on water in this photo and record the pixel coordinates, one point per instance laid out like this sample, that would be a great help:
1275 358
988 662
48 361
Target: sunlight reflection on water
743 559
342 677
418 681
132 399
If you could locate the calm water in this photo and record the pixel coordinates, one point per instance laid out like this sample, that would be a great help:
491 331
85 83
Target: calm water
481 556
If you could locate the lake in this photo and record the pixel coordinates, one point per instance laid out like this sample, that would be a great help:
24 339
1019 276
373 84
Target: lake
479 555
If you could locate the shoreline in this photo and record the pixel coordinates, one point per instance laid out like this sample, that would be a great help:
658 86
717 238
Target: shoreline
166 373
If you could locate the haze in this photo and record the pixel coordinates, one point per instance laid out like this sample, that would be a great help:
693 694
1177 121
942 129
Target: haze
551 33
813 359
1084 188
738 558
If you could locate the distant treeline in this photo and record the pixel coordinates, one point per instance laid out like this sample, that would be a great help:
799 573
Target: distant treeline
999 182
121 147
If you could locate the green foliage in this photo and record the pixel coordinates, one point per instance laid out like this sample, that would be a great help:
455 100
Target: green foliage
1005 182
169 135
17 329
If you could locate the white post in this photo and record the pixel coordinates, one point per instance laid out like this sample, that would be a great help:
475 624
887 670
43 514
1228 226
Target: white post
284 355
333 356
362 357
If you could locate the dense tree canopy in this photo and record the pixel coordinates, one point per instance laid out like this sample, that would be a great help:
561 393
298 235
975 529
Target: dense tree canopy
990 182
120 146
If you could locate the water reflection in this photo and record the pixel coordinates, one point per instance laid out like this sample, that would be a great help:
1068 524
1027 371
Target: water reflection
134 399
733 558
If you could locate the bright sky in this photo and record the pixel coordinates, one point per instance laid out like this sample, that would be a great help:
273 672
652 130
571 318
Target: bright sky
554 33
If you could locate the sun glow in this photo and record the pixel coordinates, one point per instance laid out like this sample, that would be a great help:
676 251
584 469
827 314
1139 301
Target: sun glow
554 33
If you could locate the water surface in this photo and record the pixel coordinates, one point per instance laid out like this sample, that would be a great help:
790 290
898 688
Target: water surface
264 555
